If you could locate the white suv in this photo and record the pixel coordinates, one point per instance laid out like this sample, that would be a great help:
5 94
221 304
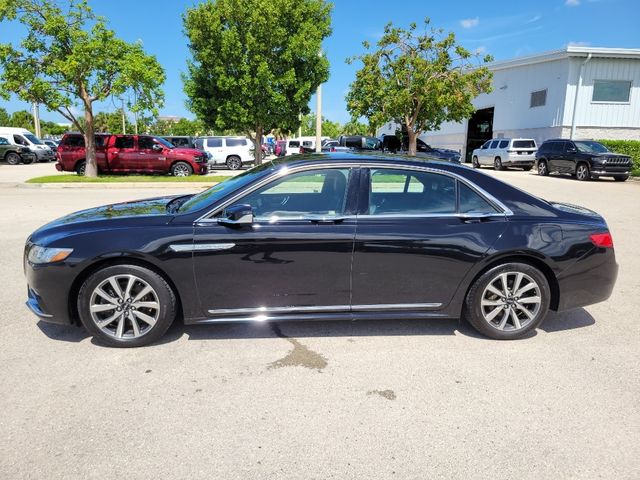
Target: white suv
230 151
506 152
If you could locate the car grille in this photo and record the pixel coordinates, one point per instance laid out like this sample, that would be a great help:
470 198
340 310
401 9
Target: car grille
618 161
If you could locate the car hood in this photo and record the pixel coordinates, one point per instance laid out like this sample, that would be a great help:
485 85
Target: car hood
146 212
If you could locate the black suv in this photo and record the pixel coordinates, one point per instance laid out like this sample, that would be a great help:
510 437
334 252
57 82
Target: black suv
585 159
14 154
181 141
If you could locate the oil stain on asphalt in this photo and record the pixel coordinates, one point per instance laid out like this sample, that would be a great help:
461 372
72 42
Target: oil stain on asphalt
388 394
300 356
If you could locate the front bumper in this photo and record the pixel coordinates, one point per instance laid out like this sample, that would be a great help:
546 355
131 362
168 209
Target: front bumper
59 167
600 171
45 155
48 290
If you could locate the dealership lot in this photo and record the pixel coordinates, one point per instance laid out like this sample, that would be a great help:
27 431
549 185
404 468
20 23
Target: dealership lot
413 399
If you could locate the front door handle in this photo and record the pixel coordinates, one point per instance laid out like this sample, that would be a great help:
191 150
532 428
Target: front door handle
324 220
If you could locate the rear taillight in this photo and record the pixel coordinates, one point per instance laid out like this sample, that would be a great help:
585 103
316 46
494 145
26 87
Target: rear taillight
603 240
333 149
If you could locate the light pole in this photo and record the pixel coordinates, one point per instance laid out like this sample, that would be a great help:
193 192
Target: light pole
319 115
36 119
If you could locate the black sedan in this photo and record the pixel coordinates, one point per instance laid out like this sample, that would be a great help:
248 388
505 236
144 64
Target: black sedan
327 236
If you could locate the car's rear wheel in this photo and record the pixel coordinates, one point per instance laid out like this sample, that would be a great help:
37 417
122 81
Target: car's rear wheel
543 168
81 167
126 306
508 301
181 169
582 172
12 158
474 162
623 178
497 164
234 162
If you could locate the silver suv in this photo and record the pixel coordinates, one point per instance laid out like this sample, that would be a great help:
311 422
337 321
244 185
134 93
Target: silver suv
506 152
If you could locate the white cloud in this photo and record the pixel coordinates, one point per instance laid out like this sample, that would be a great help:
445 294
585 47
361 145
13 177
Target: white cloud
534 19
578 44
481 49
470 22
572 3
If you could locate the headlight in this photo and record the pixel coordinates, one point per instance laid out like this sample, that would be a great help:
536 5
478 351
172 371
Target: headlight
39 255
598 159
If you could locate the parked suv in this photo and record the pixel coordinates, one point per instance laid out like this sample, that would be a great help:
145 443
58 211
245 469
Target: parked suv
230 151
14 154
585 159
181 141
130 154
24 138
506 152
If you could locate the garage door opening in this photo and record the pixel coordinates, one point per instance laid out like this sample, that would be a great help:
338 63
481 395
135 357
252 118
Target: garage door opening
479 130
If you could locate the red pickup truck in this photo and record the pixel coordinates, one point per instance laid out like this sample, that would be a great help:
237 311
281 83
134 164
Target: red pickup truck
130 154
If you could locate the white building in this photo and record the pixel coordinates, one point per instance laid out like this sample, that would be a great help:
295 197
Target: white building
577 92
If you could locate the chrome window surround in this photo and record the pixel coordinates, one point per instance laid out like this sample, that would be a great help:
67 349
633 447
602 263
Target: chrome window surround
207 217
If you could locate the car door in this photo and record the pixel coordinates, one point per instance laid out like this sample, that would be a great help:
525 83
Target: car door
151 155
215 147
295 256
569 155
122 153
418 234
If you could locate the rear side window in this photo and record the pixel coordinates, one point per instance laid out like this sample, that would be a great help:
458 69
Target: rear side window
504 143
524 144
214 142
236 142
100 141
74 141
294 144
4 141
557 147
124 142
470 201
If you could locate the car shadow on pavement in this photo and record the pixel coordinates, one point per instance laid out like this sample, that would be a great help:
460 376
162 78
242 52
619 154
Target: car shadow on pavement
555 322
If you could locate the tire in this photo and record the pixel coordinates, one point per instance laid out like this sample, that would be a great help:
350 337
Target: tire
27 161
582 172
621 179
126 323
497 164
234 162
543 168
486 311
181 169
474 162
81 166
12 158
526 169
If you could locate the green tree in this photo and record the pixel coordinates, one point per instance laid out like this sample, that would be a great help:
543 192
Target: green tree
51 128
22 119
69 58
109 122
354 127
249 72
420 80
5 118
329 128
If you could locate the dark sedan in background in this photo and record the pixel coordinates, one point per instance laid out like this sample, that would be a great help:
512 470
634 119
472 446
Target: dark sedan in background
328 236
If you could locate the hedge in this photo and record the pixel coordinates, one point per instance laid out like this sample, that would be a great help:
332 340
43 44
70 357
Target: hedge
626 147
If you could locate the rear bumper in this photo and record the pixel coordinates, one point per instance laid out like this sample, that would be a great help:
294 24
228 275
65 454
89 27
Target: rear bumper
519 161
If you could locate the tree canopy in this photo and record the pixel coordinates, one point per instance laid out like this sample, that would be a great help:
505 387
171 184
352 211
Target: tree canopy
70 59
255 63
417 79
329 128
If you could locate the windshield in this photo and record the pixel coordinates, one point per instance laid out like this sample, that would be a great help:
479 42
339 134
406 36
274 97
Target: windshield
164 142
591 147
33 139
224 188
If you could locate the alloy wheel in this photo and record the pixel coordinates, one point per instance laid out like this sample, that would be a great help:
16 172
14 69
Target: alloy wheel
124 306
181 170
234 163
582 172
511 301
542 168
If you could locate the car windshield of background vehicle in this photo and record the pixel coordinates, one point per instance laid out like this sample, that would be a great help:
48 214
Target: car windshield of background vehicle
33 139
224 188
301 195
591 147
164 142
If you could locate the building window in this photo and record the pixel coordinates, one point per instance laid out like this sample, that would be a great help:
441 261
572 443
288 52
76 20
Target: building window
538 99
615 91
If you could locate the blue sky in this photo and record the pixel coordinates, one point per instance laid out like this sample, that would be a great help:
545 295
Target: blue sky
504 29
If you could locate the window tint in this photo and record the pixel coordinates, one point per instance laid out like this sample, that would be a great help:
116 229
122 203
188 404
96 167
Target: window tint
611 91
4 141
20 140
294 144
538 99
73 141
524 144
214 142
486 144
410 193
145 143
569 147
124 142
307 143
470 201
100 141
504 143
494 144
299 195
236 142
557 147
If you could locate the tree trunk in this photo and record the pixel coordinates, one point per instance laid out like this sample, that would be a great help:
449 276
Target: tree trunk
91 169
257 145
413 140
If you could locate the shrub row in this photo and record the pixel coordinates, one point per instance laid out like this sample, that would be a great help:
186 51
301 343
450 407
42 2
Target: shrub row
626 147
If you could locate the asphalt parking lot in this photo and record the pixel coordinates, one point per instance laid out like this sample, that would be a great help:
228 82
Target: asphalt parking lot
412 399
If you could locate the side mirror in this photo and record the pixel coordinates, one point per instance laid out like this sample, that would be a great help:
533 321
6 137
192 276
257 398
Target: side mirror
157 147
237 215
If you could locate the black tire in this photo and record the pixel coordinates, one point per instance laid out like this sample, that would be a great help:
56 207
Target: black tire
12 158
81 167
621 179
582 172
474 162
234 162
473 310
27 161
543 168
181 169
526 169
165 316
497 164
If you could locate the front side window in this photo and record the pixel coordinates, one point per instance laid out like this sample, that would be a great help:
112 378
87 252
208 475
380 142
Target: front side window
538 99
405 192
145 143
214 142
321 192
613 91
589 146
236 142
486 145
20 140
494 144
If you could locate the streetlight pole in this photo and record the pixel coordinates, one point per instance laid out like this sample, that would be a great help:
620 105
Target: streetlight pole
36 119
319 115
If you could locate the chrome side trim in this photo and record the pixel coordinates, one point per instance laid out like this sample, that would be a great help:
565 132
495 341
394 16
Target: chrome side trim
264 311
201 247
395 306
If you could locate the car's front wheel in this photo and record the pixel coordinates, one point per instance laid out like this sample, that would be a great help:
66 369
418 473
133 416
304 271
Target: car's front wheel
582 172
181 169
126 306
508 301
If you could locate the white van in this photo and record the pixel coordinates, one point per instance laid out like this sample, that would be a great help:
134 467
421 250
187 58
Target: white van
230 151
309 144
24 138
